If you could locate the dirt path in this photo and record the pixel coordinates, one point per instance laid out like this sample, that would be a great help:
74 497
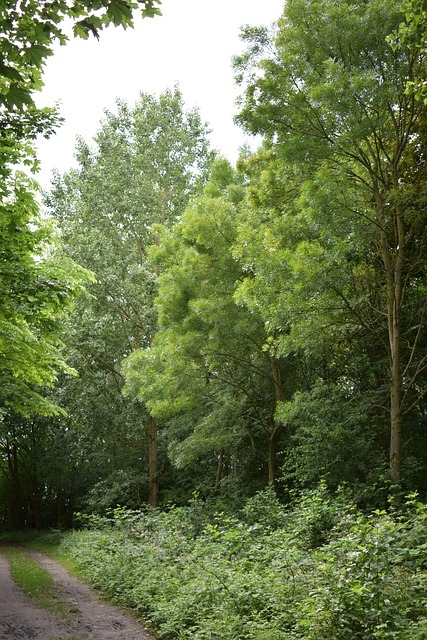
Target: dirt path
87 617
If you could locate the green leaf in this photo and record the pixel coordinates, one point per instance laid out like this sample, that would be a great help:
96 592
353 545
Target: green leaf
80 30
10 72
18 96
36 54
119 13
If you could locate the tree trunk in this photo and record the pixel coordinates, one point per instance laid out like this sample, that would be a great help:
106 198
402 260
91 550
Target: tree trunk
153 481
393 259
395 421
396 382
276 427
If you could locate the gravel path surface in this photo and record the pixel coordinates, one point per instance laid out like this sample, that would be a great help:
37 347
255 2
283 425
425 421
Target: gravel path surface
87 617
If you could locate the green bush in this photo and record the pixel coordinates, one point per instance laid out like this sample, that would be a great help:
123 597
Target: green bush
321 571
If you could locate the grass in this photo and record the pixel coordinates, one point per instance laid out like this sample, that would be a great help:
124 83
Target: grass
46 541
34 581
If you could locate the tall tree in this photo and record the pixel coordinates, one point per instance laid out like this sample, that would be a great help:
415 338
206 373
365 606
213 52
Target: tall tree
36 287
146 163
331 94
206 376
305 266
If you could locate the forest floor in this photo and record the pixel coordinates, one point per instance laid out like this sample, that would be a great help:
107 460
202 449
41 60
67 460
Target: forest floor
84 615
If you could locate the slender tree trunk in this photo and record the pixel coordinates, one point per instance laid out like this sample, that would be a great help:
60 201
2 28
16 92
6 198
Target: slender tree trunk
393 259
276 427
153 480
395 420
396 383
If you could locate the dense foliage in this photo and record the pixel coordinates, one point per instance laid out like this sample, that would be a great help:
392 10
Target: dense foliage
145 164
242 327
333 104
322 571
38 286
207 377
291 300
249 325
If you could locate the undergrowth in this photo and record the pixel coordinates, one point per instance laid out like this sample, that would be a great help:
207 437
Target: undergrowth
321 571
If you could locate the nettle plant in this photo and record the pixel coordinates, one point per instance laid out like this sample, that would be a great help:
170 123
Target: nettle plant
369 580
320 570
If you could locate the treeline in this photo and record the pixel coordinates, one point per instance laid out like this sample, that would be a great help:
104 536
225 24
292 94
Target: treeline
249 325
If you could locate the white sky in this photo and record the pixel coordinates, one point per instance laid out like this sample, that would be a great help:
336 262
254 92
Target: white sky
191 44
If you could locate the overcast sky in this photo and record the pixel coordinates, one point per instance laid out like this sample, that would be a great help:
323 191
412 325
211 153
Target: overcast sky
191 44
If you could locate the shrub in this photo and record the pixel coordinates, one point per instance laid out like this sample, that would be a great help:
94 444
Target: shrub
322 571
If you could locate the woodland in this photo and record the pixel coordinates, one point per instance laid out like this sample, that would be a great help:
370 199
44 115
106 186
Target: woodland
216 372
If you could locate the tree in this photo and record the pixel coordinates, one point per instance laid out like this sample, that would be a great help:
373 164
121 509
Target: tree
305 265
332 97
29 31
37 286
147 162
37 291
33 292
206 376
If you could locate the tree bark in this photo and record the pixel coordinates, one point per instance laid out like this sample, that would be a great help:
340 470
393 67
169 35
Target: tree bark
395 417
393 258
394 301
276 427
